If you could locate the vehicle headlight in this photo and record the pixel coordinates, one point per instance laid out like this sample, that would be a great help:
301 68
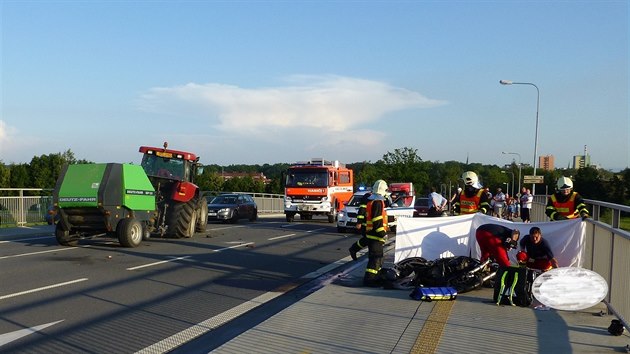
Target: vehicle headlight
224 211
324 199
287 199
340 215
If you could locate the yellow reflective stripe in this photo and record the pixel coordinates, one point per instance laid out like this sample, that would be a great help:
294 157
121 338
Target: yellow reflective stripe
376 238
376 218
369 270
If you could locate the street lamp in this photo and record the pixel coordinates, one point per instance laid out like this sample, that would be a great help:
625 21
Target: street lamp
519 167
512 181
508 82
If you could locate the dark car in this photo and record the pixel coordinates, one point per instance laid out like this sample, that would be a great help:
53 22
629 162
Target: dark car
421 207
231 207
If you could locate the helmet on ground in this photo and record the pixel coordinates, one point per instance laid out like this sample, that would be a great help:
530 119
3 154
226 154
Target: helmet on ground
380 187
564 183
470 179
522 257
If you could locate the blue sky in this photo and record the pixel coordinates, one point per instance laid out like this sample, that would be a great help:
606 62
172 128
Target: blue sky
254 82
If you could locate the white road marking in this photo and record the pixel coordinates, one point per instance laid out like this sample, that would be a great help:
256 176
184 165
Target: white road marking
40 252
279 237
25 239
227 227
43 288
157 263
208 325
10 337
311 231
239 245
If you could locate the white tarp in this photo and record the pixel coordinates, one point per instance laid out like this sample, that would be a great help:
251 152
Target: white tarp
433 238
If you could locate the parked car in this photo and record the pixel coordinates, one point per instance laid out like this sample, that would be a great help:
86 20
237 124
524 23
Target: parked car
347 217
421 207
231 207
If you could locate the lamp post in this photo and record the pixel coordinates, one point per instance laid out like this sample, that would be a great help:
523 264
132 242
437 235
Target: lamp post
508 82
512 181
519 167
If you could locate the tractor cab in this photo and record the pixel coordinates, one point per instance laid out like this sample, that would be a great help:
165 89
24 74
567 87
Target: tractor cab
169 164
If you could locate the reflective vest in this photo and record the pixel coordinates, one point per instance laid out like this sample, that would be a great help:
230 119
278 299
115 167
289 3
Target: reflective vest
565 208
469 205
370 219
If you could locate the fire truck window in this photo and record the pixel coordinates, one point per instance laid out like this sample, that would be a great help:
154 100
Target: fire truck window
344 177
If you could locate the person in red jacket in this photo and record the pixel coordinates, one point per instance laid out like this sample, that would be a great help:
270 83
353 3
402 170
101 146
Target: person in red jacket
495 241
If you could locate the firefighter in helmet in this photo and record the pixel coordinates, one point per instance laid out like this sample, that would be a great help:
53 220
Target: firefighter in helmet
375 232
565 203
361 225
473 198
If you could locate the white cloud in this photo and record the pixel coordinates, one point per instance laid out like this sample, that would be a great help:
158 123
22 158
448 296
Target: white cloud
327 103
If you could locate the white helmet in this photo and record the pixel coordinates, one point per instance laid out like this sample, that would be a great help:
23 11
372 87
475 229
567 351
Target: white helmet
380 187
470 179
564 183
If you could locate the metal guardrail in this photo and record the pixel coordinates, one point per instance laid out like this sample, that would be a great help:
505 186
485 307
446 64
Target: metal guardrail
19 209
606 250
267 203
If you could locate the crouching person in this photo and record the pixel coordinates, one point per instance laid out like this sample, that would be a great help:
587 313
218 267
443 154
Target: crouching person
538 253
495 241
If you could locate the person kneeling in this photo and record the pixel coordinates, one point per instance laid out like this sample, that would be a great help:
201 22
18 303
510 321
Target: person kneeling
538 254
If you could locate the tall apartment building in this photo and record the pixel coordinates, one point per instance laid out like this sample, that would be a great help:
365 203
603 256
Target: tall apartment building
581 161
546 162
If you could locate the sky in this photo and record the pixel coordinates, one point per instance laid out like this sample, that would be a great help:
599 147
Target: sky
256 82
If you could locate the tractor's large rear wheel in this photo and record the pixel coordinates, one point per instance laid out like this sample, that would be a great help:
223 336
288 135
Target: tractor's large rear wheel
202 215
63 236
129 232
181 219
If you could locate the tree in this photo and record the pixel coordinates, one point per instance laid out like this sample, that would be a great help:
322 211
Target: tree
5 175
588 183
19 177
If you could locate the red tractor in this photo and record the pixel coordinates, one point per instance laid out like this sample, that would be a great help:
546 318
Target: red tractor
181 207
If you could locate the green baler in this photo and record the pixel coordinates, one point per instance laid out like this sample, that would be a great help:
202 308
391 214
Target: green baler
113 198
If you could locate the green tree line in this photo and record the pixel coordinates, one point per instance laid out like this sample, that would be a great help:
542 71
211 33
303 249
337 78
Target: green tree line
400 165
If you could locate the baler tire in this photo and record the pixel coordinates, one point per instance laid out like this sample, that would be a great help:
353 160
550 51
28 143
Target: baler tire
129 232
202 215
63 236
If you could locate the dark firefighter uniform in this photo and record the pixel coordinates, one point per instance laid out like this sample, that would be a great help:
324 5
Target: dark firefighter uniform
471 200
375 232
562 207
361 224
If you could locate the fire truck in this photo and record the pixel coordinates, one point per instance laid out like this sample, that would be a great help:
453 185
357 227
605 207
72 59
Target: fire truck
316 187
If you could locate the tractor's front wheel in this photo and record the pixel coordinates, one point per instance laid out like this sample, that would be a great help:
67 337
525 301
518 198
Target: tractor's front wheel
129 232
202 215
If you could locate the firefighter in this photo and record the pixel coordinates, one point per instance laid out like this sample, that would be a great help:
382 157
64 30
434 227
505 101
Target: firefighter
361 225
473 198
565 203
375 232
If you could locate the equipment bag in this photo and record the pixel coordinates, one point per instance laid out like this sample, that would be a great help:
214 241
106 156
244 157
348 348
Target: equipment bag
433 293
513 286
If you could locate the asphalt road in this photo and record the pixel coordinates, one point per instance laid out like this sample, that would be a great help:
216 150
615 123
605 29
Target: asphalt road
102 298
